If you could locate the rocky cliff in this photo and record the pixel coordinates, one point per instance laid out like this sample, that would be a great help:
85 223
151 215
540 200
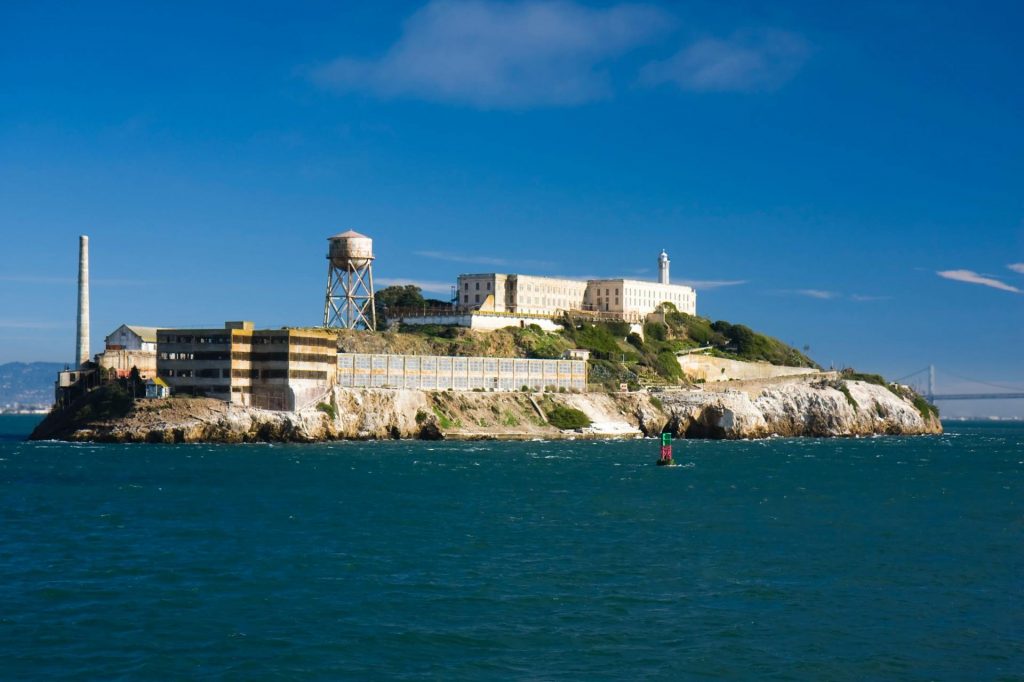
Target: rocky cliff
794 408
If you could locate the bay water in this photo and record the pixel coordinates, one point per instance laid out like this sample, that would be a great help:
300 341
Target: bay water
839 559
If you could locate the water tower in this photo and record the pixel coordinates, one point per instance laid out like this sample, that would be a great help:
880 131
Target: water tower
349 300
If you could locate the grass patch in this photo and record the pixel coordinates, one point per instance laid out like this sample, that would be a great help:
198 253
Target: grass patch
328 409
442 420
656 401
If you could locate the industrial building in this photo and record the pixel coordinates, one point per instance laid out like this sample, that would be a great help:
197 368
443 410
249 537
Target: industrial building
530 295
128 346
277 369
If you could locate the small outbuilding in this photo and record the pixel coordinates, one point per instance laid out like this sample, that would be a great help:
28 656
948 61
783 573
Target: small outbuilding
157 388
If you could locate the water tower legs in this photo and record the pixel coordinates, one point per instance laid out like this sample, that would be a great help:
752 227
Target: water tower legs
349 300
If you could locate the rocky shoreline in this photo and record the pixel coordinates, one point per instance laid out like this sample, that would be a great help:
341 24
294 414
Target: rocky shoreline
797 407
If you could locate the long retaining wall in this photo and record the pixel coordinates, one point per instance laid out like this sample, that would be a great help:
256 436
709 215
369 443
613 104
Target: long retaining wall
712 369
440 373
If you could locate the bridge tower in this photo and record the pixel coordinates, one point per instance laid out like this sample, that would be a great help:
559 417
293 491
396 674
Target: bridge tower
931 383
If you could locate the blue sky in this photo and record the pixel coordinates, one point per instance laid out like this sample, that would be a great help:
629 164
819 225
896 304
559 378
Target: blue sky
847 176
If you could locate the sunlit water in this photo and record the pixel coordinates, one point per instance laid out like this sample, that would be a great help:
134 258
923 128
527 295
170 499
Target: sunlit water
883 558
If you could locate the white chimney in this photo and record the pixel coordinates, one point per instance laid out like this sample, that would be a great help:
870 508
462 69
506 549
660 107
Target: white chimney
82 347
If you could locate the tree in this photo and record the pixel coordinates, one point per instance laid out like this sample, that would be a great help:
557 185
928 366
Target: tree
135 382
388 299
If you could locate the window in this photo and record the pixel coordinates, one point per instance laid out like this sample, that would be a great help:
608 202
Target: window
488 286
467 286
478 298
465 298
478 287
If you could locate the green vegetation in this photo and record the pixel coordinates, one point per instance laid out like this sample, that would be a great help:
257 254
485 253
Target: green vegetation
877 379
328 409
841 386
442 419
924 407
565 417
111 401
735 340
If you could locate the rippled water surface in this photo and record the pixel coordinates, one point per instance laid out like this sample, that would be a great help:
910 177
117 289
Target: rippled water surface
885 558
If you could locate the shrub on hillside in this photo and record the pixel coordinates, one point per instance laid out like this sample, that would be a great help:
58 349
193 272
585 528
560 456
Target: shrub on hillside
565 417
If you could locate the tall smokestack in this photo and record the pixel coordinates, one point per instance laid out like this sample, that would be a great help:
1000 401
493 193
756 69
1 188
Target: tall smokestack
82 348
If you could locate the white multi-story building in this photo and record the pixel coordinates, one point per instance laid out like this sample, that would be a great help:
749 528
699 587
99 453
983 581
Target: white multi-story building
630 296
533 295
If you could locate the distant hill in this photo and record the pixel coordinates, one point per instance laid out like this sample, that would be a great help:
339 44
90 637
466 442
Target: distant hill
28 383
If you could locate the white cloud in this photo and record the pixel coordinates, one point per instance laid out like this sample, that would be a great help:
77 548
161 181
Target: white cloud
482 260
426 285
710 283
972 277
1017 267
749 61
491 54
864 297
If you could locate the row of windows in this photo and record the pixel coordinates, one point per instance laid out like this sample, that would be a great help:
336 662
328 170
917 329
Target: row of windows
312 341
283 357
279 374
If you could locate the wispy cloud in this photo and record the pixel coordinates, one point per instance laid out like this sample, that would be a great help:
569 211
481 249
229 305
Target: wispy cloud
1017 267
749 61
490 54
433 287
864 298
972 277
31 324
811 293
483 260
709 283
99 281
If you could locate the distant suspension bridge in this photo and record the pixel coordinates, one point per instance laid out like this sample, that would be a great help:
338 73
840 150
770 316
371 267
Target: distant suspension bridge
919 378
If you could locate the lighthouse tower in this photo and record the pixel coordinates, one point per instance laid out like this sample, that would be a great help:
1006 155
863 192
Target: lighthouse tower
663 263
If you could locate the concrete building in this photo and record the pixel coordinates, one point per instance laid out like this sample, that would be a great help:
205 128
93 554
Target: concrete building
631 298
520 294
277 369
128 346
627 299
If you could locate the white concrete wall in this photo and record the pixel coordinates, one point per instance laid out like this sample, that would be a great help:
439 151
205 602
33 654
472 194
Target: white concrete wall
711 369
440 373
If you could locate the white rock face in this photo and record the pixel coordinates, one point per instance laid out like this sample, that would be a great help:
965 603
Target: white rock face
796 409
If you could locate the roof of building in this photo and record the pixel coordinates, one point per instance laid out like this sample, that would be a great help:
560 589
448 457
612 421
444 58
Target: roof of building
147 334
158 381
348 234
